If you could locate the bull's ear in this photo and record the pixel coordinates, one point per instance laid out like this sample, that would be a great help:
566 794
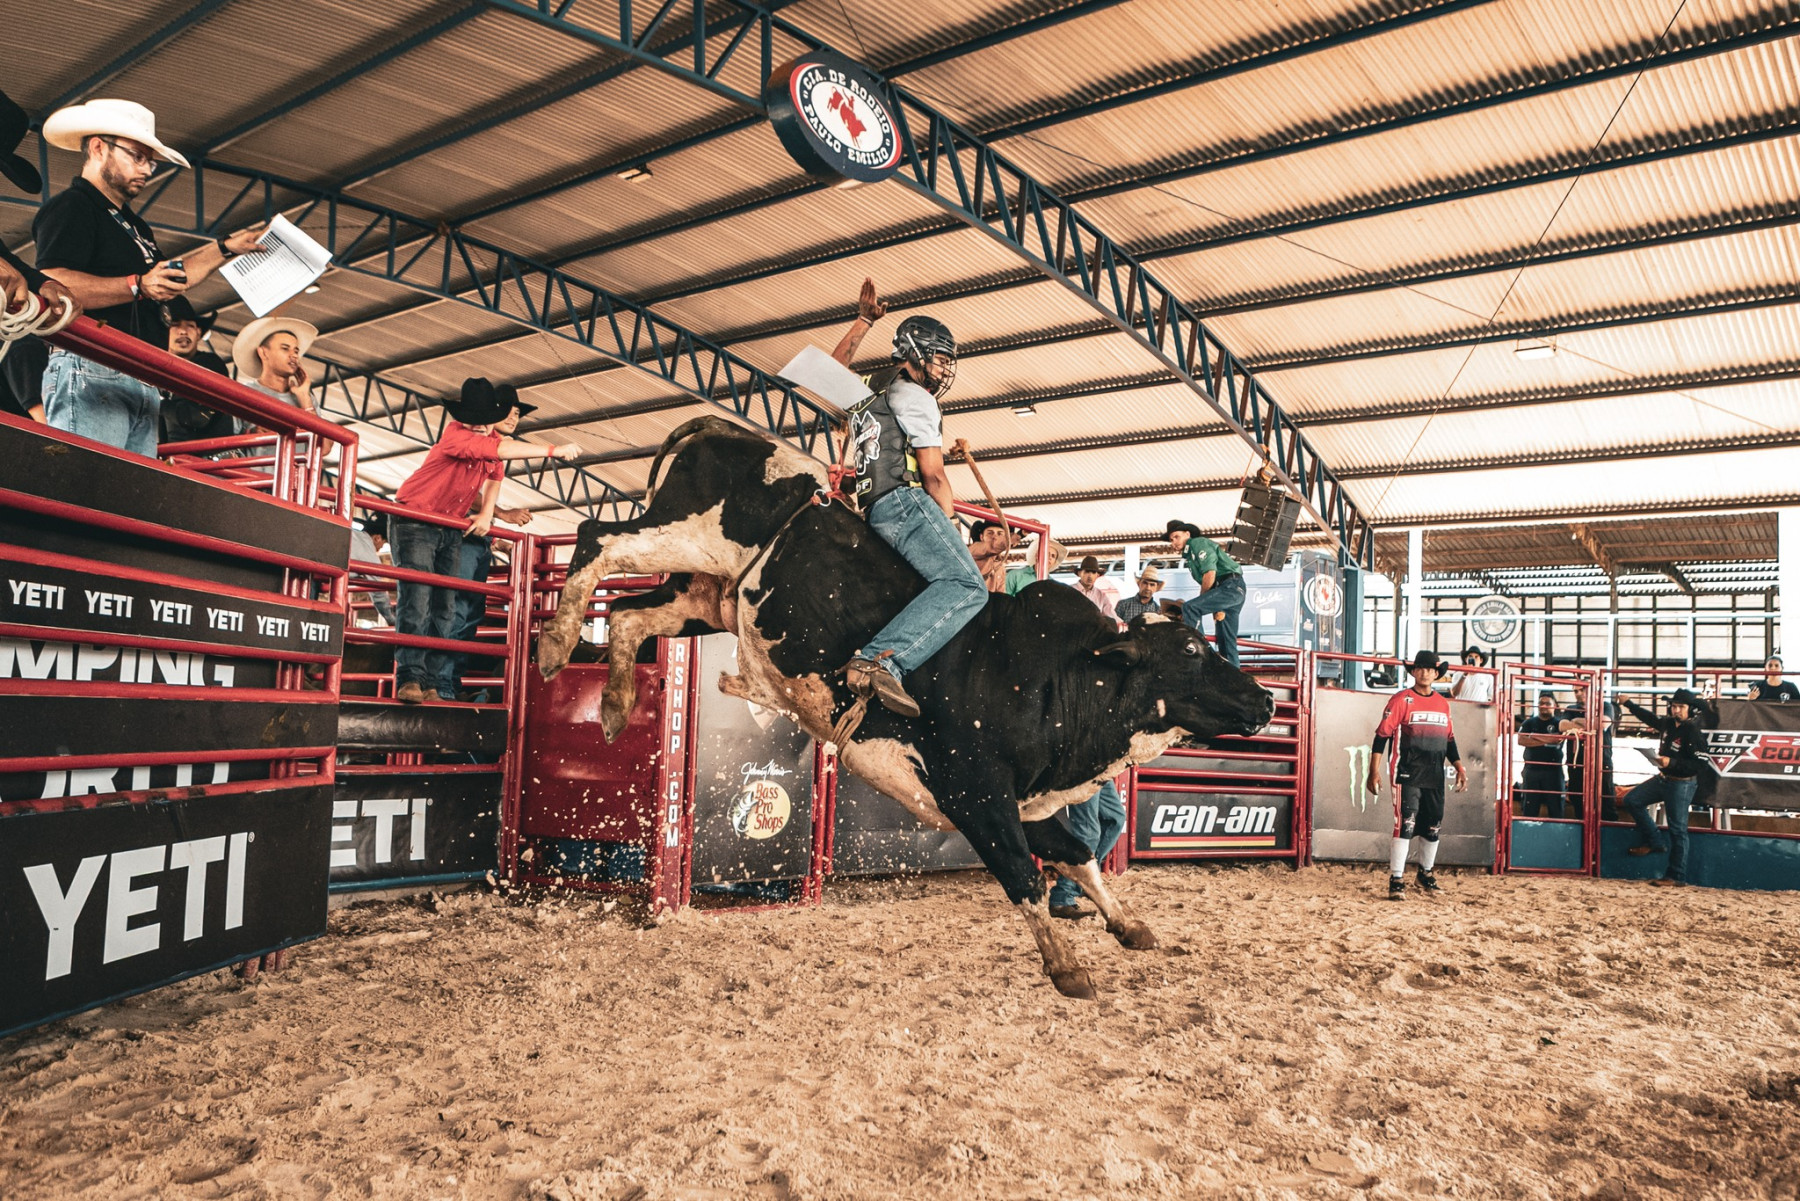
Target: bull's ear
1125 652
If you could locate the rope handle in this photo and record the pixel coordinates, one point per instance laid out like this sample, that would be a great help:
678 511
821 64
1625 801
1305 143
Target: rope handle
35 319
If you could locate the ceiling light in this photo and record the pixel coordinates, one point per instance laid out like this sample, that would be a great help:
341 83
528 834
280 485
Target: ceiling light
1534 348
636 173
1024 410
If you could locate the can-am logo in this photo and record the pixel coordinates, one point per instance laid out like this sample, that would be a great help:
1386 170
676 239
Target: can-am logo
833 117
762 807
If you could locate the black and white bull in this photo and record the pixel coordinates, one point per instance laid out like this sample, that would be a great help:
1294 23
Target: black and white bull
1027 710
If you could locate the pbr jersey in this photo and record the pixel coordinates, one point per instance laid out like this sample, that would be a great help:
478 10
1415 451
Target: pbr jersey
1422 726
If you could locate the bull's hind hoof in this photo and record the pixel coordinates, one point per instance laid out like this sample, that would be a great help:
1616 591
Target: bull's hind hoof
1077 984
1134 936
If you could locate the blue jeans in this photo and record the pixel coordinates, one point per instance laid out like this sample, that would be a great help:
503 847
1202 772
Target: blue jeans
96 402
476 558
911 523
1675 796
1227 595
1097 822
423 609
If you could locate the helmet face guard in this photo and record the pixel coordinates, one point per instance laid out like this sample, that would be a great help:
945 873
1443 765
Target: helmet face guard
921 339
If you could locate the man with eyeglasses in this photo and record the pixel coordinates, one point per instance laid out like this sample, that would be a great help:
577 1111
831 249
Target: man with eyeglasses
91 242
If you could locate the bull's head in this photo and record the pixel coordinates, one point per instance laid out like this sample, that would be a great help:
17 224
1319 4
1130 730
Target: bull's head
1189 684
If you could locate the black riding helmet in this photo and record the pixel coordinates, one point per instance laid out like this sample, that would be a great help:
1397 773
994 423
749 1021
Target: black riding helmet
919 338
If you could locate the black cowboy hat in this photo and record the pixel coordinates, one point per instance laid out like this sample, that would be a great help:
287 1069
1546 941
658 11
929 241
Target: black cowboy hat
1683 697
1192 529
1427 659
14 124
180 309
485 402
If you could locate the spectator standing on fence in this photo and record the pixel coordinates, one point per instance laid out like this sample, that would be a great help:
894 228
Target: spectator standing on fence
1475 686
22 371
185 420
89 239
1772 687
1418 718
1149 583
477 558
1679 755
453 477
1541 790
1099 820
269 354
1221 583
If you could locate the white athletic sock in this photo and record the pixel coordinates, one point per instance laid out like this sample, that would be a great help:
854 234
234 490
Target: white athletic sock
1397 857
1427 856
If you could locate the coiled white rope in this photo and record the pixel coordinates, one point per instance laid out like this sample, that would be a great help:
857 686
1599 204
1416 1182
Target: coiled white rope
34 320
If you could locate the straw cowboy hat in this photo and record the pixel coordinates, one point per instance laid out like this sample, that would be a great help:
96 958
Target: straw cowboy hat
66 127
243 351
1151 575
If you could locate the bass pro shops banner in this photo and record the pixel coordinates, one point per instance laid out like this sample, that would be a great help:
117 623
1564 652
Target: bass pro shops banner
1757 752
105 902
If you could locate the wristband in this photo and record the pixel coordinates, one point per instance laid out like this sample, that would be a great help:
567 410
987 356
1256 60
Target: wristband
136 282
550 452
225 250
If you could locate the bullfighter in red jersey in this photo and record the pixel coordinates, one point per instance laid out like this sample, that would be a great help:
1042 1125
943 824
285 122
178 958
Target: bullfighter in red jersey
1420 718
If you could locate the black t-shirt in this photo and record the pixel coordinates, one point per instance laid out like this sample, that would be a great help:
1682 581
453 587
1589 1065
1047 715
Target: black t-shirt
22 376
184 420
34 279
1549 755
1762 690
81 230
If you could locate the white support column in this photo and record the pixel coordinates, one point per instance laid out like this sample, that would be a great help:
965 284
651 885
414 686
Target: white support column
1787 581
1129 587
1414 625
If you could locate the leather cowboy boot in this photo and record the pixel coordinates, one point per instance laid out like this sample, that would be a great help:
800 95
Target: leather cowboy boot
867 677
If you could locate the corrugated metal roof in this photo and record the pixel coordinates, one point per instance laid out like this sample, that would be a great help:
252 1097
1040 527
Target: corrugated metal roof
1647 384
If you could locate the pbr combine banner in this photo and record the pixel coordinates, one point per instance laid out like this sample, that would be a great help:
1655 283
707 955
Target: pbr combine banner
1756 750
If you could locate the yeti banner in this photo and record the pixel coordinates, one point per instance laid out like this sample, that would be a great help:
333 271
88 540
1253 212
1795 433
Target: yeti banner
391 828
1757 752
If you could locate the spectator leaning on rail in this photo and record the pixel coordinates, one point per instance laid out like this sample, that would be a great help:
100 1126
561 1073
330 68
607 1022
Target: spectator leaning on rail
990 543
1419 718
463 468
269 354
367 536
477 558
1680 754
898 435
185 420
1221 583
1772 687
1099 820
1476 686
1149 583
22 380
90 240
1541 790
1574 721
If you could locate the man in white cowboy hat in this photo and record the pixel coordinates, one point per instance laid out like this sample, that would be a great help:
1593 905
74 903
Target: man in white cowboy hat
90 241
1149 584
269 353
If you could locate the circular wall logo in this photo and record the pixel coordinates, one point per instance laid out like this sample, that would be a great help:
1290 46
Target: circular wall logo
1323 596
761 809
833 117
1493 621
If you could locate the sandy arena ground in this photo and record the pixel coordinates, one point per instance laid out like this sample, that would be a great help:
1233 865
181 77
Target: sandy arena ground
1297 1036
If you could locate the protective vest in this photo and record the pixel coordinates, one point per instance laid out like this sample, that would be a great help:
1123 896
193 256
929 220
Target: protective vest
884 454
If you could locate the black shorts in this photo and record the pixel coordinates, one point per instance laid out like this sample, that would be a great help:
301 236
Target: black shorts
1418 811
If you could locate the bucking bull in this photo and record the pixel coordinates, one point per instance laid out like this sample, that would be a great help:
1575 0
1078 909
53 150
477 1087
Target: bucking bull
1028 709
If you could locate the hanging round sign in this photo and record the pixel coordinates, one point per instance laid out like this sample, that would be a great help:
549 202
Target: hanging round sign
1493 621
833 117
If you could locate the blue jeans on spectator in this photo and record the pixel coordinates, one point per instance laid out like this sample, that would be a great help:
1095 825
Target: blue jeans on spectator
1097 822
1227 595
85 398
1675 796
911 522
423 609
472 564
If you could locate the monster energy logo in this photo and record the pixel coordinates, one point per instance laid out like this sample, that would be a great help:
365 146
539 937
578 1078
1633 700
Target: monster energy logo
1360 759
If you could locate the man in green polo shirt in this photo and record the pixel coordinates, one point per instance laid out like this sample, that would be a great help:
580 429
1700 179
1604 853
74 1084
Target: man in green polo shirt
1221 583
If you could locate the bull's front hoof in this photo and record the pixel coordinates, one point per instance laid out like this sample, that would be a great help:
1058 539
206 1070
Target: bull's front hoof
552 657
1077 984
1134 936
612 720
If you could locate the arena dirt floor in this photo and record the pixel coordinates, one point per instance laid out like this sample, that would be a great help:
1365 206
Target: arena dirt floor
1296 1036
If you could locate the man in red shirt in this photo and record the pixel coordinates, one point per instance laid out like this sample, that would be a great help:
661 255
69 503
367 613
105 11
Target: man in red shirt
464 467
1420 719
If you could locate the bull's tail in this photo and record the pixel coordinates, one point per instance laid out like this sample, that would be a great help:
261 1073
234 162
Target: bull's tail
678 435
